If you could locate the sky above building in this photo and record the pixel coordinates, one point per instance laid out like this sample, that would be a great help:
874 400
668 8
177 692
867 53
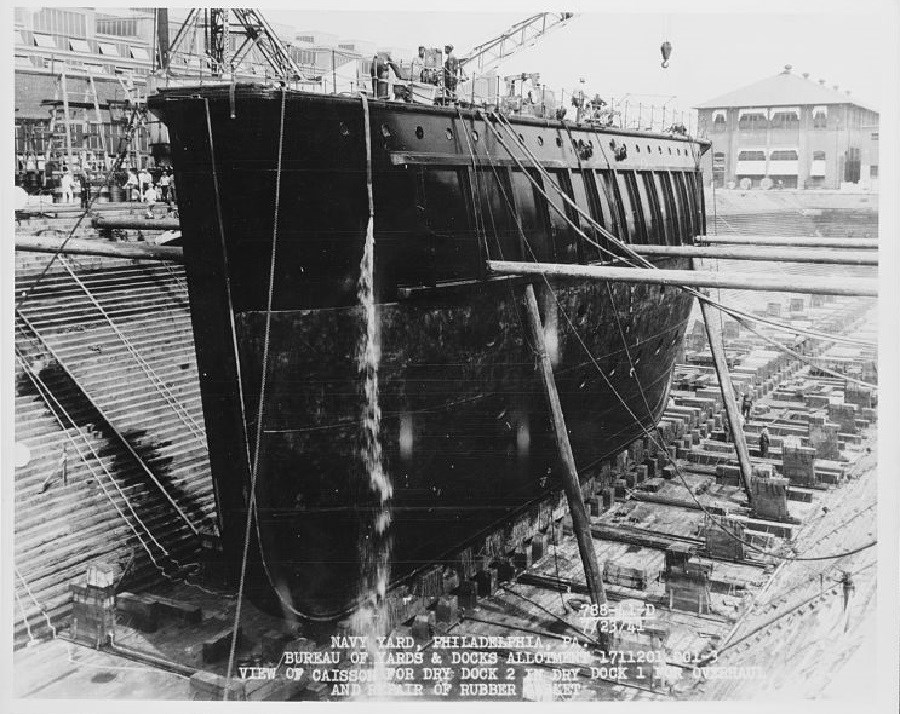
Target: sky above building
717 47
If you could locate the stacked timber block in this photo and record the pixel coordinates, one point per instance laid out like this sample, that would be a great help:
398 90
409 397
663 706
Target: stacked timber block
467 595
487 580
540 544
423 627
212 558
798 462
843 414
142 610
860 395
94 606
769 496
429 585
206 686
722 544
447 609
687 581
217 646
625 577
400 606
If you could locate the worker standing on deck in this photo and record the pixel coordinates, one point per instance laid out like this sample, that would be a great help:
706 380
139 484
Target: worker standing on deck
382 64
85 189
164 185
417 69
747 405
145 181
764 442
131 185
451 70
67 183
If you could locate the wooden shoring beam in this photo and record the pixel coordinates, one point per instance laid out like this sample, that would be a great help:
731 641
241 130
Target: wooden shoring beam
717 347
581 523
809 285
141 251
162 224
760 253
800 241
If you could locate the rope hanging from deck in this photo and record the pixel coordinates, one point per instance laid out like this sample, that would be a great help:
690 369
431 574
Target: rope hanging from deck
254 469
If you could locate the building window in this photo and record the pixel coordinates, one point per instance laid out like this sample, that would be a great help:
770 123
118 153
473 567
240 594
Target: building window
140 53
121 27
719 120
751 155
817 169
60 22
873 171
820 117
784 155
80 46
752 120
45 41
874 136
785 118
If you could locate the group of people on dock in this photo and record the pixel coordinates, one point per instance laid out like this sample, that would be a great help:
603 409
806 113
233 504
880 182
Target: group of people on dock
149 185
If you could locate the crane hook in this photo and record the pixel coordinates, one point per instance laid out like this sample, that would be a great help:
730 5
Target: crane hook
666 50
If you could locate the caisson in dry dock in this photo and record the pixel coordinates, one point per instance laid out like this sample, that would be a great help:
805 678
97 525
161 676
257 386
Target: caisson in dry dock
465 428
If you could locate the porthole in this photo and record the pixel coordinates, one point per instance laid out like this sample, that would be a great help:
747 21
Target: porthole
385 132
660 149
559 141
678 151
474 135
521 138
343 129
420 132
649 149
670 151
449 134
637 148
540 141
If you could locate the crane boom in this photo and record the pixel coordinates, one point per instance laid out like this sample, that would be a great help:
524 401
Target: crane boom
257 33
521 35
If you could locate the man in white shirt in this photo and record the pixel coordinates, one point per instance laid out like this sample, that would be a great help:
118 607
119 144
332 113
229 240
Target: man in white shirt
67 183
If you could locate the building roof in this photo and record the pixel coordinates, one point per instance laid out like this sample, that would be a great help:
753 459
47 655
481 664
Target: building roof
784 89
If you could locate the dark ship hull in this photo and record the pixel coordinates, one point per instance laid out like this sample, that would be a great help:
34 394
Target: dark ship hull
465 429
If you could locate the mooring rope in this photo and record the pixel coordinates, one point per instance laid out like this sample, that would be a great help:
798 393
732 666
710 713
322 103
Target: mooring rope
254 470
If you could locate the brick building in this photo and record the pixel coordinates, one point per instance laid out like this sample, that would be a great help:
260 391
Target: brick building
795 131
